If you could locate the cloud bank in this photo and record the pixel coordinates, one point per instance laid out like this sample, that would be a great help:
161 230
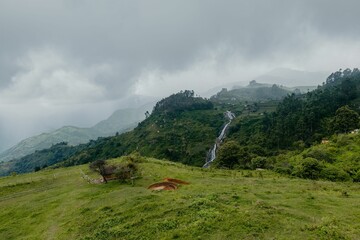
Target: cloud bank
59 58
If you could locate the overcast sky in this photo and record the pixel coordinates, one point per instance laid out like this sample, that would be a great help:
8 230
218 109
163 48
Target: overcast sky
73 61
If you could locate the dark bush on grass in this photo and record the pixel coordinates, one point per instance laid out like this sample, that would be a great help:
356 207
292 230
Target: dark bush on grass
320 154
126 170
308 168
333 173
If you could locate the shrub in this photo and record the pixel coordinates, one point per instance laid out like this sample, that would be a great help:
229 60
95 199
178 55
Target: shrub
228 155
320 154
258 162
134 157
333 173
308 168
356 177
126 170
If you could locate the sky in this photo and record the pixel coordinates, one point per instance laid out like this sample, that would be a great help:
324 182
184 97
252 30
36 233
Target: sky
73 62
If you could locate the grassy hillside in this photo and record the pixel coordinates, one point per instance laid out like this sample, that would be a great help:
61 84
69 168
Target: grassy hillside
218 204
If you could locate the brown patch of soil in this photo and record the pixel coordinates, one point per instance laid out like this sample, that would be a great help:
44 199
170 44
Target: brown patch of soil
163 186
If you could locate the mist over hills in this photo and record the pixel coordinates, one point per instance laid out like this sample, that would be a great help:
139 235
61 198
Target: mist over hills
292 78
281 76
120 121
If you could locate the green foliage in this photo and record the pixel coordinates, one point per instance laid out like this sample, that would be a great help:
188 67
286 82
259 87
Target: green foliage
338 160
308 168
356 177
345 120
320 153
258 162
181 128
126 170
231 155
302 120
333 173
251 93
228 156
184 100
37 160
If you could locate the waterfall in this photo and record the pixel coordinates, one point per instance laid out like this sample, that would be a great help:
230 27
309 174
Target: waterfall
219 139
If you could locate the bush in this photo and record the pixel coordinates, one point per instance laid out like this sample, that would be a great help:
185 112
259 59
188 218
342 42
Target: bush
320 154
356 177
126 170
258 162
333 173
308 168
134 157
228 155
283 168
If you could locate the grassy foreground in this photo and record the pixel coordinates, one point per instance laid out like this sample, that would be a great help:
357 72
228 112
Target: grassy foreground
218 204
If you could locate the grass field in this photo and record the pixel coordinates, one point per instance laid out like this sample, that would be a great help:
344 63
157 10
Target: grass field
218 204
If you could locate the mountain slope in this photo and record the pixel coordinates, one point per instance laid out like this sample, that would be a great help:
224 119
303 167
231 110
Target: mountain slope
280 76
120 121
254 92
182 128
218 204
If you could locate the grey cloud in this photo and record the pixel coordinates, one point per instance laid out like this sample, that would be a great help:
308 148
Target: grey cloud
169 34
115 47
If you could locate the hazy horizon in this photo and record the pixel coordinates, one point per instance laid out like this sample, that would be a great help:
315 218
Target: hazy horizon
66 62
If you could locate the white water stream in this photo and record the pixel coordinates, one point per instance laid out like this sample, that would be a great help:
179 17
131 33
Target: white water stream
219 139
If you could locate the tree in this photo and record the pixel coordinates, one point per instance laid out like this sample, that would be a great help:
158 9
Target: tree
99 167
345 120
228 155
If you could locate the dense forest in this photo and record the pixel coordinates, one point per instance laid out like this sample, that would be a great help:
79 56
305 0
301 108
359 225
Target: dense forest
305 119
299 122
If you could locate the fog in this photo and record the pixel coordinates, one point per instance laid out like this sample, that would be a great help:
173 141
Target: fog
65 62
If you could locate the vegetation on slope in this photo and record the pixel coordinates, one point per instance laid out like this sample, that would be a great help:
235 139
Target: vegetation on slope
120 121
218 204
181 127
39 159
255 92
299 122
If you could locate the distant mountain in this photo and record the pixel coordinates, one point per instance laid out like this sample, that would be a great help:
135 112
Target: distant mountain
120 121
280 76
252 93
293 78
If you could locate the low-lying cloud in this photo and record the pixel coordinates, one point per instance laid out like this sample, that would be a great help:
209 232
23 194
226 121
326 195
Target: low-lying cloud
59 57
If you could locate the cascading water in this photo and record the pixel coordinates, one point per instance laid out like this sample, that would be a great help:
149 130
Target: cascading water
219 139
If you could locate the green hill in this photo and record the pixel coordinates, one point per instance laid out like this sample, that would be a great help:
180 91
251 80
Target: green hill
255 92
181 127
40 159
120 121
218 204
